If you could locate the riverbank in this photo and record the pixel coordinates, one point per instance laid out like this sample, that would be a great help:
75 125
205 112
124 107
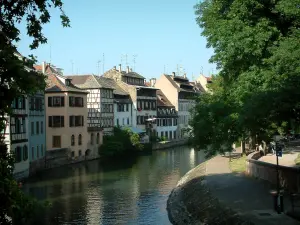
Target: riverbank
212 194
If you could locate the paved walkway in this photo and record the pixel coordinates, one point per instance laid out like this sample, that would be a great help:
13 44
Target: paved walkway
285 160
247 196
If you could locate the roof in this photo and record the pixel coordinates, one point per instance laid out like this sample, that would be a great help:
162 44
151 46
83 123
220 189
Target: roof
162 100
132 74
56 85
177 83
89 81
197 87
208 78
113 84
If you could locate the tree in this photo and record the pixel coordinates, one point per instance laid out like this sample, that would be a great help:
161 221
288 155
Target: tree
17 78
257 51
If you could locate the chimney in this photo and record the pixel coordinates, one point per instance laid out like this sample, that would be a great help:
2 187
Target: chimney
43 67
127 69
152 82
130 69
173 74
120 68
184 75
115 68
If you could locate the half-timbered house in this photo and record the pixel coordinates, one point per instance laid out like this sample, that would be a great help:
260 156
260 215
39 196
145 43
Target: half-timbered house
100 102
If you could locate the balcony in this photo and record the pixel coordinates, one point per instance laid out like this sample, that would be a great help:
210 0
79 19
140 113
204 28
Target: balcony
94 129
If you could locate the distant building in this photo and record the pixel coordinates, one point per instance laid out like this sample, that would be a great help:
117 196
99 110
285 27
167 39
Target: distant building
167 118
100 101
67 119
36 131
143 98
181 93
16 136
203 80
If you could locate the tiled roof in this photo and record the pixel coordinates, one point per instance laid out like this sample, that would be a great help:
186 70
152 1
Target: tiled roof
197 87
147 84
132 74
113 84
55 85
208 78
162 100
89 81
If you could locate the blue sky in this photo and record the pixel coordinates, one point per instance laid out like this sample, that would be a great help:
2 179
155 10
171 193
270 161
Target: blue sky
162 34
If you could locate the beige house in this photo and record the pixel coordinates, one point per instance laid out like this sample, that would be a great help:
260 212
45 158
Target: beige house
203 81
180 92
66 118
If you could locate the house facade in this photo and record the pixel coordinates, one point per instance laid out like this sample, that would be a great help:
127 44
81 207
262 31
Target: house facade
181 94
68 137
36 131
100 102
203 80
144 103
167 118
16 136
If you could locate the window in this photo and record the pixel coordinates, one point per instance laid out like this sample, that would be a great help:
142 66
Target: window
118 122
42 127
158 122
42 150
174 136
32 152
37 127
166 134
123 121
127 121
37 152
97 138
79 153
127 107
161 134
56 121
32 128
170 134
75 101
58 101
72 154
18 156
79 139
56 141
72 140
92 138
25 152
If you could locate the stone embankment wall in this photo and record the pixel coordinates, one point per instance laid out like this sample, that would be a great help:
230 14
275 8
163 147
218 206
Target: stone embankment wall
289 176
192 203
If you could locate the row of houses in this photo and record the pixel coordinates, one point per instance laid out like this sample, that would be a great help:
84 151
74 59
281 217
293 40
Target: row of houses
67 122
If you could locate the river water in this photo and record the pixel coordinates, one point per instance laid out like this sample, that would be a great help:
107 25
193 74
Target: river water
117 192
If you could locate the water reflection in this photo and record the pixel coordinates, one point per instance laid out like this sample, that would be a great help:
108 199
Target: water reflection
122 192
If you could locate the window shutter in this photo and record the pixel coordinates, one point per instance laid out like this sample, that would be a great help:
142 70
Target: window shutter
49 101
62 121
49 121
62 101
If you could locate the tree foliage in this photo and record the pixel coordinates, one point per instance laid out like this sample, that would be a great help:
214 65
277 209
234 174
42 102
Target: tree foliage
18 78
257 51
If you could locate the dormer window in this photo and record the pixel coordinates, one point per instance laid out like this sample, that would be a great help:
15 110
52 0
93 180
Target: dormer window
68 82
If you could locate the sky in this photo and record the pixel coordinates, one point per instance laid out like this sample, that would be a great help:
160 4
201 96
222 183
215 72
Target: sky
163 36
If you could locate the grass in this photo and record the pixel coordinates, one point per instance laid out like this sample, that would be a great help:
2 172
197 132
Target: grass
297 160
238 165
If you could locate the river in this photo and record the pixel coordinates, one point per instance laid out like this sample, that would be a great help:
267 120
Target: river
118 192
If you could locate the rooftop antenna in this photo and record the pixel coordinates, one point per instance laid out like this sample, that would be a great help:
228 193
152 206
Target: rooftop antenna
98 63
72 63
122 59
201 70
134 57
103 63
50 53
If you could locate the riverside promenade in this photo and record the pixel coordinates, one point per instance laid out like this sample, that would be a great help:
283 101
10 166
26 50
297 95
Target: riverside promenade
212 194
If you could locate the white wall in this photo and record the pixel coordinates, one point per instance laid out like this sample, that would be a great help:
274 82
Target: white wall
122 116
